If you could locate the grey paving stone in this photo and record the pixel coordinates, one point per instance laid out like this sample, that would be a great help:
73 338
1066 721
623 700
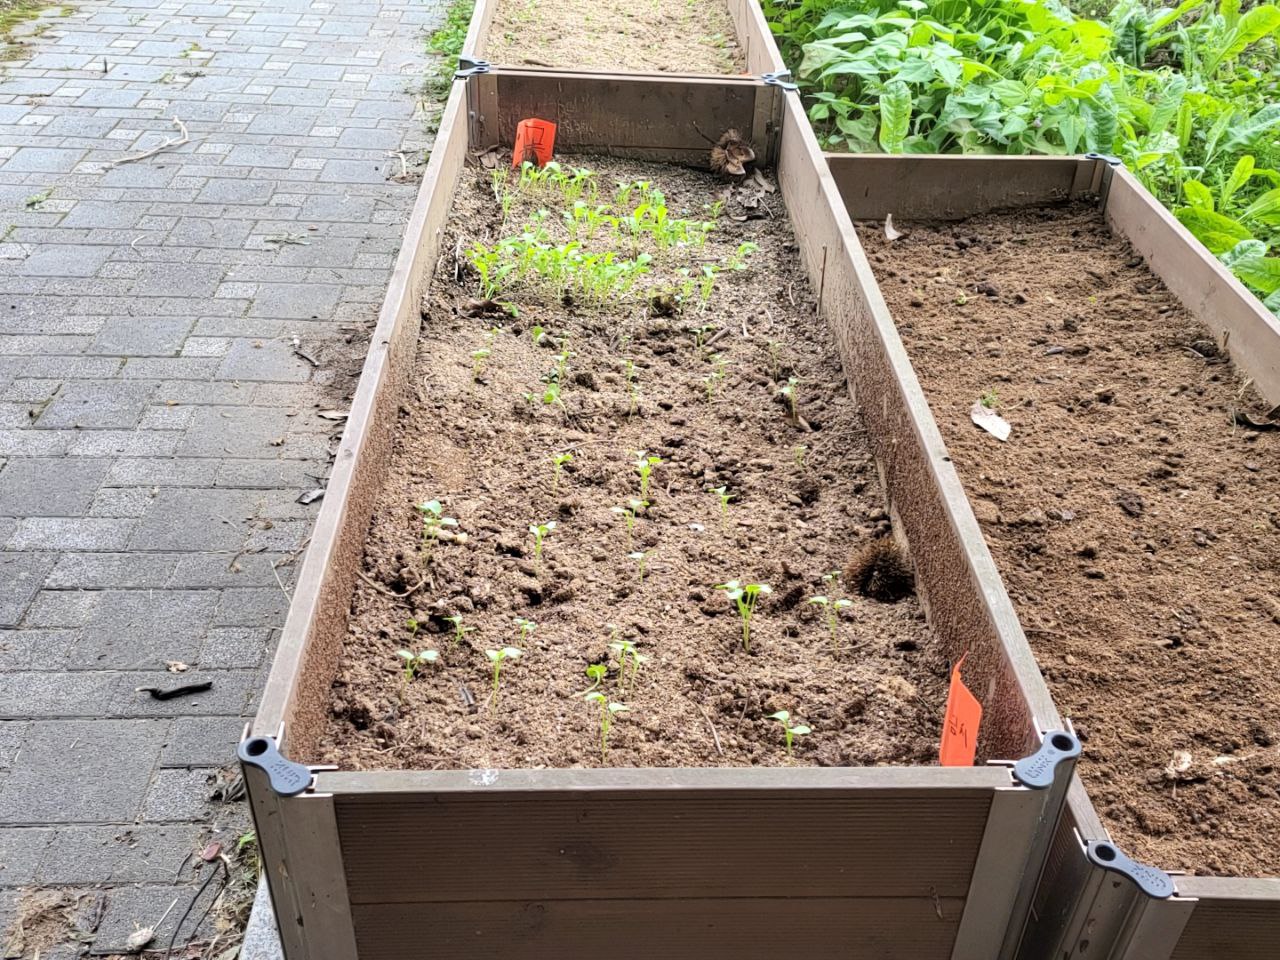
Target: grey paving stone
21 849
42 160
235 432
295 300
230 696
197 520
102 404
92 213
50 487
59 533
12 735
202 742
141 336
264 360
84 855
180 795
96 571
71 260
145 629
21 575
131 907
45 785
353 171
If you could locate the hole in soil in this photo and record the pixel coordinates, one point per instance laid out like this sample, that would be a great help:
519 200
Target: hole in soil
256 747
1062 742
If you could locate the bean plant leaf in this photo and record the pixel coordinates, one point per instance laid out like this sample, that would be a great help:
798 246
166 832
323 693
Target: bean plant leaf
895 116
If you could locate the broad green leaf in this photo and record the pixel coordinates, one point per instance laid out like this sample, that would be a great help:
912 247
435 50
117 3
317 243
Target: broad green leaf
1267 205
1252 27
895 116
1272 303
1247 132
1166 17
1167 106
1215 231
1261 273
1198 195
1239 177
1243 249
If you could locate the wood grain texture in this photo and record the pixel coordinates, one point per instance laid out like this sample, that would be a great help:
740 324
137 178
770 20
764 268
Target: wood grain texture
779 928
953 187
755 38
1235 317
659 845
1230 929
968 607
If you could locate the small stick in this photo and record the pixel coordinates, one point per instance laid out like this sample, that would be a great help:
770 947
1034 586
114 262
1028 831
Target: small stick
717 336
391 593
171 142
715 736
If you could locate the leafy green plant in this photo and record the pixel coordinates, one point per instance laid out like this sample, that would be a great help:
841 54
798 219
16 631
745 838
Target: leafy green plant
724 496
459 631
738 259
831 610
557 464
745 597
644 465
990 398
412 626
789 731
497 657
608 710
413 662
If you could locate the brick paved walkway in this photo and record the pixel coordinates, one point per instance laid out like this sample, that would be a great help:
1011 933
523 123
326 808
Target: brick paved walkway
158 410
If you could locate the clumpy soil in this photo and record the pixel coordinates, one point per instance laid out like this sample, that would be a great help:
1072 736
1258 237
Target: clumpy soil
805 499
668 36
1137 527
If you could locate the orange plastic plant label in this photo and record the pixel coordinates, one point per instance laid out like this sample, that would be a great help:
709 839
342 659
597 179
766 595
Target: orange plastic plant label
535 142
960 728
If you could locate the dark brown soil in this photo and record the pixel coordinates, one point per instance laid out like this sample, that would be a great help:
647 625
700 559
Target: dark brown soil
1134 524
667 36
874 697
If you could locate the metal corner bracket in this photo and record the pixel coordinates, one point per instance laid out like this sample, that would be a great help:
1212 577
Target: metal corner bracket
286 777
470 67
780 78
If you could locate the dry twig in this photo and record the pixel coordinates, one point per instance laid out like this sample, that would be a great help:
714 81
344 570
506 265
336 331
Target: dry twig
168 144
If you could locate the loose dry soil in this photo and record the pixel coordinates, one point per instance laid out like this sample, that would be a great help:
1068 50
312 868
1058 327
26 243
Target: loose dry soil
1134 523
669 36
873 697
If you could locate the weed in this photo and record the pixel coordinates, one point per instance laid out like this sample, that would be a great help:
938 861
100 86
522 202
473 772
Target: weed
413 662
557 464
459 631
34 201
990 399
644 466
540 532
788 731
496 657
478 357
745 597
738 259
608 710
831 610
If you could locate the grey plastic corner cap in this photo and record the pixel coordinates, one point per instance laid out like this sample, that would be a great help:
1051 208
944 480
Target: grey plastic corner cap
1039 770
1106 158
1152 881
287 778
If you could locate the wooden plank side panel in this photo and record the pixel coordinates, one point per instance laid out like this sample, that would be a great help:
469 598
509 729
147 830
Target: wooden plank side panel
1239 929
1233 315
664 845
755 37
951 187
639 929
663 119
297 689
477 38
959 583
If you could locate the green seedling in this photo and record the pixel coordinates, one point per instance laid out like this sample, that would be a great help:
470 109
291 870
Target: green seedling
725 496
540 532
644 466
434 522
628 514
831 610
788 731
716 377
745 597
626 652
557 464
459 631
738 259
538 334
478 357
412 625
788 392
562 362
990 399
496 657
700 335
707 282
596 672
34 201
413 662
798 454
608 710
526 628
775 359
551 396
639 556
633 390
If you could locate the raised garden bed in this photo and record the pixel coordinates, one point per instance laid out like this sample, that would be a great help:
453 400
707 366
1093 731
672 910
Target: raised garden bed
1124 510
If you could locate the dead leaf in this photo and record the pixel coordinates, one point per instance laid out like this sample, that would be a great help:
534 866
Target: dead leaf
890 233
211 852
334 414
176 666
990 421
310 496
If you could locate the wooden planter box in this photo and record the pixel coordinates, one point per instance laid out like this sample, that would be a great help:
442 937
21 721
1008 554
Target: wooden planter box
919 862
1079 905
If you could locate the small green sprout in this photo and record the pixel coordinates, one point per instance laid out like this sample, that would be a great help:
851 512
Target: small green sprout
644 466
700 334
478 357
789 731
562 363
540 532
831 610
633 391
496 657
557 464
639 557
990 399
596 672
725 496
628 514
459 631
745 597
738 260
412 625
433 522
716 377
788 393
413 662
798 454
526 628
551 395
775 359
608 710
538 333
625 651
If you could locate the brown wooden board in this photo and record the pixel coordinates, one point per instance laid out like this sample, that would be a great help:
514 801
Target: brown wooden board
637 929
967 603
1235 918
657 118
